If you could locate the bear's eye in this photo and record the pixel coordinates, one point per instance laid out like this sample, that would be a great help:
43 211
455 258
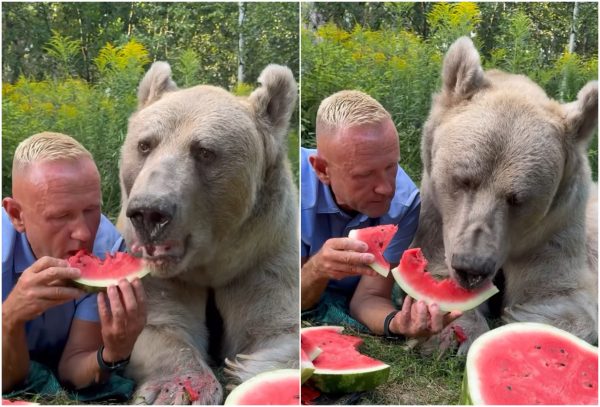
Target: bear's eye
203 153
513 200
144 147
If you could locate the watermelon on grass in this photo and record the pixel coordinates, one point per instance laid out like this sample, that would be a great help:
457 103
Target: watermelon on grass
103 273
340 368
377 238
411 275
530 363
276 387
6 402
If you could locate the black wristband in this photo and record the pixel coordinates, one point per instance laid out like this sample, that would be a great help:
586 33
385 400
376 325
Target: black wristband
386 327
110 367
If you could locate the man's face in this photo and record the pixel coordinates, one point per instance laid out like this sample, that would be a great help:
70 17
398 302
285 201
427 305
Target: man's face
60 206
361 166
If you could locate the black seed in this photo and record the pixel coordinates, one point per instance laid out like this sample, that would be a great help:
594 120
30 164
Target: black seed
509 387
538 347
562 364
562 351
590 385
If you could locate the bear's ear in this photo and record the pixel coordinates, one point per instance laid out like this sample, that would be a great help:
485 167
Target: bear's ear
274 101
582 114
462 74
155 83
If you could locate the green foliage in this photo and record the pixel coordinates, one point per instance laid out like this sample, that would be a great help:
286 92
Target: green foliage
63 50
186 69
399 61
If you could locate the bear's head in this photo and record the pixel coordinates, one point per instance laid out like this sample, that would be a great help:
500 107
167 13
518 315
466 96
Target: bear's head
505 165
195 163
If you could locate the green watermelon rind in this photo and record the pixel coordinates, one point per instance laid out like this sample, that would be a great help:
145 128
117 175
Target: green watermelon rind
99 284
384 271
347 380
446 306
249 385
470 392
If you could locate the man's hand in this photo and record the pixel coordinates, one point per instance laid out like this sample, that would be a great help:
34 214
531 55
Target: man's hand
123 320
43 285
416 319
343 257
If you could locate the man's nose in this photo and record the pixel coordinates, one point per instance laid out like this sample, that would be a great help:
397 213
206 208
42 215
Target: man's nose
385 187
81 231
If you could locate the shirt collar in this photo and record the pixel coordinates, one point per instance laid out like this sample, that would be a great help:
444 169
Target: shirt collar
326 204
24 256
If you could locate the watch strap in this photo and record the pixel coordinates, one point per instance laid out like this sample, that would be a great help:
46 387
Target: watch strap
112 366
386 327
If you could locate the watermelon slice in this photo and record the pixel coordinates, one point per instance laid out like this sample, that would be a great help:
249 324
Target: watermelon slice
279 387
102 273
6 402
530 363
340 368
412 277
377 238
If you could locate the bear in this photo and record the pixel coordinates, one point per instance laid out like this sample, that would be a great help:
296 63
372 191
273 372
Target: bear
209 202
505 196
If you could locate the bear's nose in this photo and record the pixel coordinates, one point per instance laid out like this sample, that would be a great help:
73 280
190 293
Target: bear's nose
473 271
150 221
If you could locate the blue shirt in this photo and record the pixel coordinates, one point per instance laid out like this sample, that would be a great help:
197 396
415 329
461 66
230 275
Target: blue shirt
47 334
322 219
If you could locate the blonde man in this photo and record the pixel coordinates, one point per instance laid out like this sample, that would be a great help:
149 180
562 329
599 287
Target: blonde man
53 213
353 180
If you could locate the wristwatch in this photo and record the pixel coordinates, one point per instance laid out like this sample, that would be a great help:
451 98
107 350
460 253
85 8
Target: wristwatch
110 367
386 327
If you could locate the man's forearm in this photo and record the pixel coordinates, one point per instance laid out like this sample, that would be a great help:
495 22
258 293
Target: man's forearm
372 312
312 285
81 369
15 354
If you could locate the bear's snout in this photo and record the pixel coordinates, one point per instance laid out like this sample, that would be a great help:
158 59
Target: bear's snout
473 271
150 218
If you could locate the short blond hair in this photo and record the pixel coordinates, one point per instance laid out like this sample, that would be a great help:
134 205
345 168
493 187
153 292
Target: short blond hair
48 146
348 108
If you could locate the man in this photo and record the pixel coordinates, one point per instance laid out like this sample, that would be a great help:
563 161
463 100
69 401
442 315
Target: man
351 181
53 213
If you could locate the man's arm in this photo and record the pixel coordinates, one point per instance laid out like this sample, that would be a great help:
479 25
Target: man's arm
338 258
40 287
120 325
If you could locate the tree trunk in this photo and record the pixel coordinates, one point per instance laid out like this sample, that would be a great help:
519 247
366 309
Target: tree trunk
571 49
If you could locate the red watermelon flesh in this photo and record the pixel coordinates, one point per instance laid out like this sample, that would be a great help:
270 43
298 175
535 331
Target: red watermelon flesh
102 273
531 363
276 387
6 402
310 347
377 238
412 276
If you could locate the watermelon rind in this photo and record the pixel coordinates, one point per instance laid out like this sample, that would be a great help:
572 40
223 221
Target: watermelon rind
472 381
384 271
446 306
251 385
347 380
105 282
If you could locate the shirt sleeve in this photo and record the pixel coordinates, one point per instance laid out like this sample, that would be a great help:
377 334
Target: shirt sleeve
406 232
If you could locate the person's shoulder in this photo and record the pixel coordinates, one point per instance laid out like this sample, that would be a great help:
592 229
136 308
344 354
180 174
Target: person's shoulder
9 236
406 190
309 182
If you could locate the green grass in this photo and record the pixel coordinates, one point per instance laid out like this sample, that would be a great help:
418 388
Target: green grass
414 379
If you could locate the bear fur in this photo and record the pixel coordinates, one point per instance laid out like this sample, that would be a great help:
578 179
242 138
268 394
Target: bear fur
506 186
209 201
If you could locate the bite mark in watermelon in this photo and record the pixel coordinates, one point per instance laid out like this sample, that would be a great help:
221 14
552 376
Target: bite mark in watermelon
276 387
530 363
103 273
412 276
340 368
306 366
377 238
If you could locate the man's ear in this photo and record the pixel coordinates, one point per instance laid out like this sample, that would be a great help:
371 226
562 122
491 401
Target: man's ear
15 213
320 166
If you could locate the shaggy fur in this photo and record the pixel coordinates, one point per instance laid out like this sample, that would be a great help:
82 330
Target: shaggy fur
506 186
209 200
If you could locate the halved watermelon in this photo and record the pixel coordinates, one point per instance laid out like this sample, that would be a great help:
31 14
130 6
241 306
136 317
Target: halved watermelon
377 238
340 368
530 363
276 387
102 273
411 275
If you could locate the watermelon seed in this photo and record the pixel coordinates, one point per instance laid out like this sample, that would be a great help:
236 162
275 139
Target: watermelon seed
590 385
562 351
547 364
538 347
509 387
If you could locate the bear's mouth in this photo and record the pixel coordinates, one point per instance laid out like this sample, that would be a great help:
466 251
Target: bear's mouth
161 253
